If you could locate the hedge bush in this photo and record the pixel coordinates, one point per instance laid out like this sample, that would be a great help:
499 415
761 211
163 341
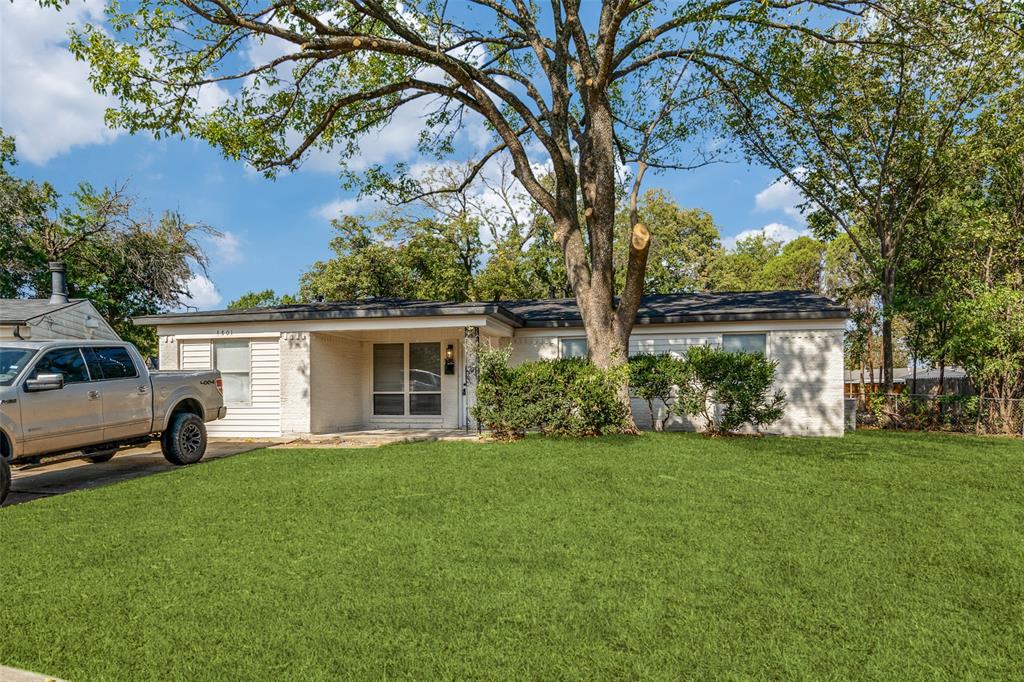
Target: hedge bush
654 378
740 384
570 397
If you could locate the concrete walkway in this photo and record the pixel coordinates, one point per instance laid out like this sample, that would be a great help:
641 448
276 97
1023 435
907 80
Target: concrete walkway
371 438
78 474
15 675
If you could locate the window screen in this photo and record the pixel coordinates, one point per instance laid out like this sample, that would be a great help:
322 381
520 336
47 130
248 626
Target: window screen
388 367
425 378
424 367
232 359
573 348
66 361
389 403
744 343
425 403
115 363
389 378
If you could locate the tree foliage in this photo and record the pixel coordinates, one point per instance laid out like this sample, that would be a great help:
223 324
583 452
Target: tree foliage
126 262
576 90
867 129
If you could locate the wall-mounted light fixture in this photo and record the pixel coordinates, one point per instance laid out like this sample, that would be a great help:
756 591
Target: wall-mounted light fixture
449 359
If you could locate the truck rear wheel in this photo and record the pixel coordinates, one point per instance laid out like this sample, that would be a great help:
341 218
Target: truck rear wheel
184 441
5 478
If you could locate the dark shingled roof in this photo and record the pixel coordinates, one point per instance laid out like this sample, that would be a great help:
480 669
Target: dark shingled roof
655 309
693 307
21 310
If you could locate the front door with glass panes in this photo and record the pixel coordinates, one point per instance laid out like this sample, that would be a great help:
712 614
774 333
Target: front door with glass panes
407 379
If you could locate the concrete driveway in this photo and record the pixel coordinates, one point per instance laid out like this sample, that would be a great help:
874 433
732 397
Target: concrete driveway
65 477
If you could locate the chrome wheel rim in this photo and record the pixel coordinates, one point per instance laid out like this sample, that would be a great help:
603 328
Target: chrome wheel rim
191 439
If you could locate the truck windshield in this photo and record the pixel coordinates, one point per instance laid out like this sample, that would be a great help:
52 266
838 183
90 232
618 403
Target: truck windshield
12 361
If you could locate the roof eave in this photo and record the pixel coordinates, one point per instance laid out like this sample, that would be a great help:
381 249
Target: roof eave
496 312
834 314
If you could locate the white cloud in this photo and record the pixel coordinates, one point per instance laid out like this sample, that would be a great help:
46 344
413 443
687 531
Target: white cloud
782 195
774 231
46 101
339 207
227 248
202 293
209 97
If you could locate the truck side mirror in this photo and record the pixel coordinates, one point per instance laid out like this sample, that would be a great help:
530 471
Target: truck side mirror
45 382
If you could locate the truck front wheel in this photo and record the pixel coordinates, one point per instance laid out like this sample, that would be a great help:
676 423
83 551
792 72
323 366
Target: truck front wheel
5 478
184 441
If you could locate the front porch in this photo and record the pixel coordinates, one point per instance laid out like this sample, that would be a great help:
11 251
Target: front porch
383 385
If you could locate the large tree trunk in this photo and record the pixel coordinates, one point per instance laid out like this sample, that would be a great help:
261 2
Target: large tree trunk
590 263
888 291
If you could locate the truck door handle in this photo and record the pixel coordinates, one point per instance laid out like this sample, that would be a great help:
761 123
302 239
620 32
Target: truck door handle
93 395
143 390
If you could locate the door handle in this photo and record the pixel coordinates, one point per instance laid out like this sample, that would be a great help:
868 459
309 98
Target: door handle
93 395
143 390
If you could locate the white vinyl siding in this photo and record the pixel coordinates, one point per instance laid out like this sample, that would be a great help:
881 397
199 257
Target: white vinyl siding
262 416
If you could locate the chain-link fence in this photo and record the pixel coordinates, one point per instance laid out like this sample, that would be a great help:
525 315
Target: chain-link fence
966 414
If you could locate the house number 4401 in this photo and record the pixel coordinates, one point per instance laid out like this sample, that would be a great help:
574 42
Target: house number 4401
224 332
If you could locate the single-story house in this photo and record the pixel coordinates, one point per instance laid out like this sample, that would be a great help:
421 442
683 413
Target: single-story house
37 318
389 363
872 381
925 382
55 318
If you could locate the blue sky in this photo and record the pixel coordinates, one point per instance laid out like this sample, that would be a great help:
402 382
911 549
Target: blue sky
273 230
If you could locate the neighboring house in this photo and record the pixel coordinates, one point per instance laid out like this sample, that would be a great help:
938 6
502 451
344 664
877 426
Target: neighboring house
389 363
56 318
872 381
955 380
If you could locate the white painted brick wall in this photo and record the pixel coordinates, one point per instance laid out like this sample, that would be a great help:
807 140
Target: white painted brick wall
168 349
295 384
337 384
810 372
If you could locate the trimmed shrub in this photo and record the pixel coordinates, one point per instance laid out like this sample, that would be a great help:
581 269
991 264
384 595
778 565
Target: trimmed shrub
653 378
568 397
739 384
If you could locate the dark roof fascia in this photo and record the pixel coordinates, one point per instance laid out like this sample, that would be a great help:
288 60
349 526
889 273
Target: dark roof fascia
222 316
697 318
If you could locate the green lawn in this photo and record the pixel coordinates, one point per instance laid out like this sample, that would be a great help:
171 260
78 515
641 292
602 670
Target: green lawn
882 556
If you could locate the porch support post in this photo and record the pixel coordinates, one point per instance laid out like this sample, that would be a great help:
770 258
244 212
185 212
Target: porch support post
471 371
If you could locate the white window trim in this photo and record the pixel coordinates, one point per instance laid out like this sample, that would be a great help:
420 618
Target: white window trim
561 346
406 384
767 340
213 361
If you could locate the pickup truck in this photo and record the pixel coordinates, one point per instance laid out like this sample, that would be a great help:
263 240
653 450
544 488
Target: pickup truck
88 399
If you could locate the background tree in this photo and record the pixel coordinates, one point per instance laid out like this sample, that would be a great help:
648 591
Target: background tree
684 245
865 129
127 263
363 266
261 299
